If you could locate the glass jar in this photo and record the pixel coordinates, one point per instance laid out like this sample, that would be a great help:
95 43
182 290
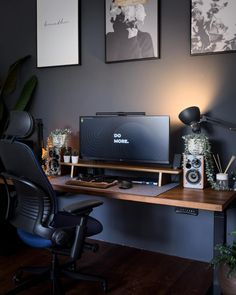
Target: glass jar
222 181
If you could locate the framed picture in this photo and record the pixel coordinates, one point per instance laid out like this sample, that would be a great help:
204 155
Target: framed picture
58 32
213 26
131 28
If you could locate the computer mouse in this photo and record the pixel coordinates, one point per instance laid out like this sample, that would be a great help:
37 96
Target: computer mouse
125 184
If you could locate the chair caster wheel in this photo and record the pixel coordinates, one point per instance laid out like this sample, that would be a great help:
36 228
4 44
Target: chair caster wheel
104 286
95 248
17 278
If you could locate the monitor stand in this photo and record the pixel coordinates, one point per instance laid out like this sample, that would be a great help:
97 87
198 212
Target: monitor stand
163 173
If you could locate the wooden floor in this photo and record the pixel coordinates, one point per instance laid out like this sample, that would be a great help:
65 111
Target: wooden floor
129 271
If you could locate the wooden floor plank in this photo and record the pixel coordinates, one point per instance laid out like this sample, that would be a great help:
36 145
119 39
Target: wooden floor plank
128 270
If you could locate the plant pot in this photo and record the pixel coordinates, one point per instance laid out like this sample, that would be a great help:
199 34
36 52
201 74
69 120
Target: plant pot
74 159
227 285
196 146
66 159
59 140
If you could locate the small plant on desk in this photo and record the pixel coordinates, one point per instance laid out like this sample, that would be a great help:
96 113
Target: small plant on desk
226 260
75 156
66 156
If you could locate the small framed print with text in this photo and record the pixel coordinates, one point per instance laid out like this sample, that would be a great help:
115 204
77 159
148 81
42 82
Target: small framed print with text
58 33
131 28
213 26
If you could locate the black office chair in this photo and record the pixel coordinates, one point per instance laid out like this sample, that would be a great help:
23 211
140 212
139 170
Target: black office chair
33 210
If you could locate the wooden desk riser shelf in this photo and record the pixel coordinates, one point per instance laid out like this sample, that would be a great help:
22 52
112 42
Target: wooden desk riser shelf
161 171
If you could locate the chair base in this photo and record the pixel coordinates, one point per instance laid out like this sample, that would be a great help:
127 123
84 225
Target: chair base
54 273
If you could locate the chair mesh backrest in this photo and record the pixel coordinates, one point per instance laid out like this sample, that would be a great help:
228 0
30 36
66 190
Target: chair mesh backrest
19 161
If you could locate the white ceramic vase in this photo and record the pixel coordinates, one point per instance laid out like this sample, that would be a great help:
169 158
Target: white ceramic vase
74 159
66 159
196 146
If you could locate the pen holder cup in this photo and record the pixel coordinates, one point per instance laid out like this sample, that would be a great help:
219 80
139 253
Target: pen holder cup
222 181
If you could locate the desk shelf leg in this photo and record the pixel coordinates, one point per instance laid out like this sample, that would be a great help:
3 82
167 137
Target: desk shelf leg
72 171
160 179
220 219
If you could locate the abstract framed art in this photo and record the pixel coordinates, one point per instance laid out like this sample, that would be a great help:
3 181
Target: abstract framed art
213 26
58 33
131 30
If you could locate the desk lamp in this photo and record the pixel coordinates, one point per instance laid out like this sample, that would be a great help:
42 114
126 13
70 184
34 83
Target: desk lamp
191 116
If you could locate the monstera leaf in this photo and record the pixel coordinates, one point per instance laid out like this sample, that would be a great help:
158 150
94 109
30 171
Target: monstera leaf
10 82
25 97
8 87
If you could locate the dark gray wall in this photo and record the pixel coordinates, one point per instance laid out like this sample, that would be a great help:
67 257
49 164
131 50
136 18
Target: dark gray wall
163 86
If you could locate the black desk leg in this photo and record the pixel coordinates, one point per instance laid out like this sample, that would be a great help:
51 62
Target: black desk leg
220 219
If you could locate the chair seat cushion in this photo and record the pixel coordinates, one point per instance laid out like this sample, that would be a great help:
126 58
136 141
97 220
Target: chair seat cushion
33 240
63 219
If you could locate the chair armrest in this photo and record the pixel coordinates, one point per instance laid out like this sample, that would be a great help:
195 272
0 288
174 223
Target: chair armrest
82 207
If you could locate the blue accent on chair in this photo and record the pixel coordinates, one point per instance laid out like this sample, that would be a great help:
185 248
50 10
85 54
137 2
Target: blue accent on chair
33 240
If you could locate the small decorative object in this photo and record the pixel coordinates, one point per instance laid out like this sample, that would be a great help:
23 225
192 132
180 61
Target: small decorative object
213 27
222 178
60 137
75 157
58 32
226 260
131 30
198 144
222 181
66 156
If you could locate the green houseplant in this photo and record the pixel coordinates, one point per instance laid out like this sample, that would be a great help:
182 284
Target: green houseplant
75 152
226 260
8 86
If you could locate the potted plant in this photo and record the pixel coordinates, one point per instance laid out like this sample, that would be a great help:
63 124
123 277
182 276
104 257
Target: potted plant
60 137
66 156
75 156
226 260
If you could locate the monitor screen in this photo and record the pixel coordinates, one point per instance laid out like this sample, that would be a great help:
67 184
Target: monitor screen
137 139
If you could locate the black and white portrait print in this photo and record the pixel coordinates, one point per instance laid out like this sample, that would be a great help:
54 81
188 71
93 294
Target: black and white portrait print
131 30
213 26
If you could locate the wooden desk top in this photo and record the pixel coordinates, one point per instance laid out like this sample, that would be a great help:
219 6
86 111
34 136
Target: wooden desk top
206 199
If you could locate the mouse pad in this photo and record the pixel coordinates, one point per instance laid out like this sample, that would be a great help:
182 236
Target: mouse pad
145 189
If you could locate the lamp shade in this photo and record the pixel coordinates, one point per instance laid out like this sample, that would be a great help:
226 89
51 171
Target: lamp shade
190 115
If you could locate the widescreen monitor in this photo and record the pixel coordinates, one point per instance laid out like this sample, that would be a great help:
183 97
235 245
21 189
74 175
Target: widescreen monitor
136 139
